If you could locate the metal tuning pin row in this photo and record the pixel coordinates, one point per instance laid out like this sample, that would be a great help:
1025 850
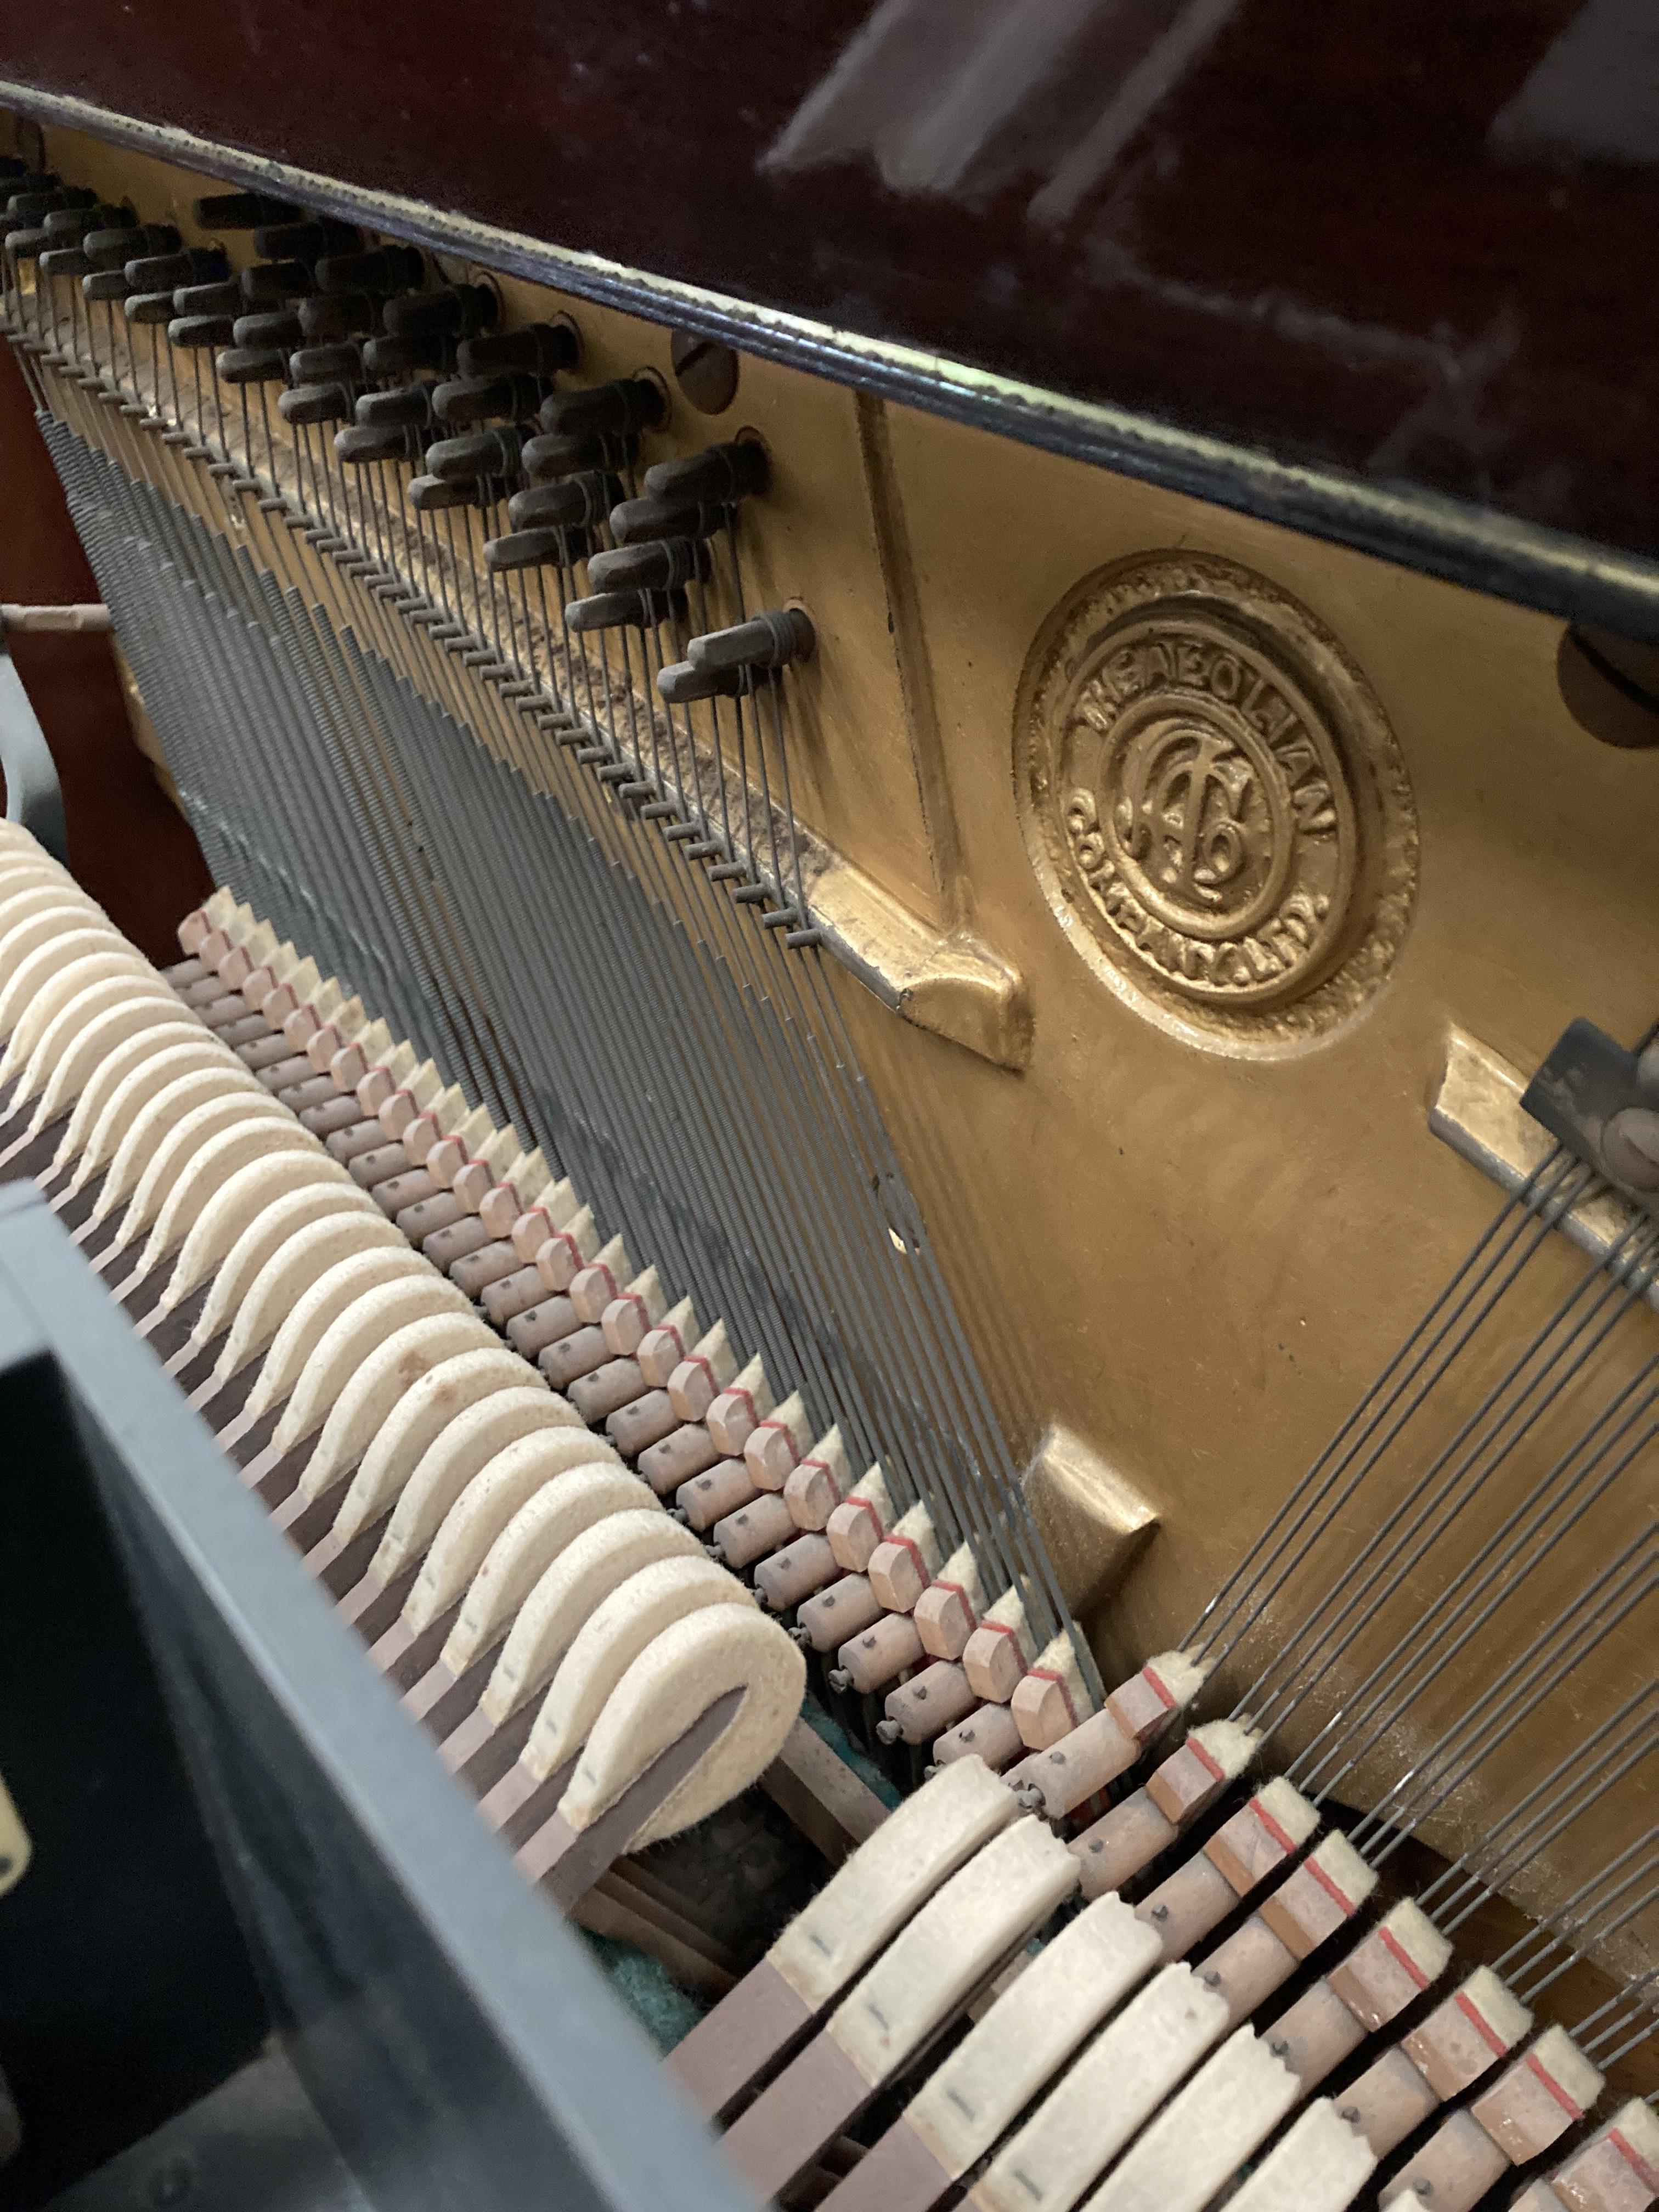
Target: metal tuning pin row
725 662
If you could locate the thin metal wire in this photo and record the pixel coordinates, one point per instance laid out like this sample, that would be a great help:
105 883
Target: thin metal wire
964 1437
1438 1636
1559 1929
1510 1216
1528 1373
1516 1692
1592 1930
1483 1874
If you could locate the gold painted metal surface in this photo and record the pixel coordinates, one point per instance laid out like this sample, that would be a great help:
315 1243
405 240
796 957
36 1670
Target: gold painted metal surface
1095 1524
1214 802
1191 1261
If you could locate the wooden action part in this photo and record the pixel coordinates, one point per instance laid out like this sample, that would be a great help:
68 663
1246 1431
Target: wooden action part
567 1862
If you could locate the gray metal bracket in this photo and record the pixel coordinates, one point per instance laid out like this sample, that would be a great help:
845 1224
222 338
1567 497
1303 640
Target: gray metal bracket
1602 1103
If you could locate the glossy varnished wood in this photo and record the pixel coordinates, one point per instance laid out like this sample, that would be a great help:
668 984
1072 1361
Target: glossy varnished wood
1401 243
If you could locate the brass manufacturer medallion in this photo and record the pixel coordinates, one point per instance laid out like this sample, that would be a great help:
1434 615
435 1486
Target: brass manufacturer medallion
1214 802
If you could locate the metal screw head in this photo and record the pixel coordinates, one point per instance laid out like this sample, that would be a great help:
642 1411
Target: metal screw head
1630 1147
705 370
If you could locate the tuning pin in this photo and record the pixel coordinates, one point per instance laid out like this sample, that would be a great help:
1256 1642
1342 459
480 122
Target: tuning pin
252 364
538 349
32 181
512 397
362 443
385 269
662 565
224 298
636 521
401 353
71 224
410 407
682 685
305 239
28 210
199 332
194 265
580 502
624 609
148 306
723 662
242 211
719 475
315 403
544 548
485 453
64 261
427 495
339 315
112 249
455 311
320 364
272 284
551 455
105 283
628 403
769 640
272 327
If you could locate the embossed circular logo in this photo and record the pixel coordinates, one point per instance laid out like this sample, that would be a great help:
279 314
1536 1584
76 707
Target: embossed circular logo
1214 801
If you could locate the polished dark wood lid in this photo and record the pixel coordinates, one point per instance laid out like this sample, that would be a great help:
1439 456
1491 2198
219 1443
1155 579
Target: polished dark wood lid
1411 244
